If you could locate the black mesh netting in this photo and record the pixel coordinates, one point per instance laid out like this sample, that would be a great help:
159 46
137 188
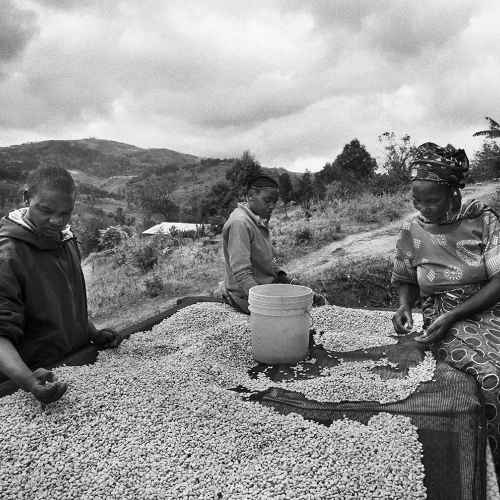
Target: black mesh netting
447 412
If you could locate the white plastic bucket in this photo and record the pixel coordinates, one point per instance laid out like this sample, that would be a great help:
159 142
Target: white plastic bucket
280 321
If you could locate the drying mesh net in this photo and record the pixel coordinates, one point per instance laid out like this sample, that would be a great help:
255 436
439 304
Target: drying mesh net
447 412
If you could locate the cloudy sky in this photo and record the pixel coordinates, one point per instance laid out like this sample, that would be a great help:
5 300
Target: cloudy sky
291 80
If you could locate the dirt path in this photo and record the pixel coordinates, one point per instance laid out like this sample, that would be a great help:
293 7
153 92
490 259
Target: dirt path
377 242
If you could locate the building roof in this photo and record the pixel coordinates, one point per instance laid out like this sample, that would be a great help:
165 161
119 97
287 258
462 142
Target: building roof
166 226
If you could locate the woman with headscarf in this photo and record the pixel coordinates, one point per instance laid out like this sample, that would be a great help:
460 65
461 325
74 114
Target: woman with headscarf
246 243
450 256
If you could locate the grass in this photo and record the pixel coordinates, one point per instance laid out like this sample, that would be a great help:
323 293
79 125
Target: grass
122 291
141 277
358 283
334 222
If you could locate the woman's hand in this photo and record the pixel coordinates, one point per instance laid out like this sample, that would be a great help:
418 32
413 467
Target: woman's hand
438 329
401 318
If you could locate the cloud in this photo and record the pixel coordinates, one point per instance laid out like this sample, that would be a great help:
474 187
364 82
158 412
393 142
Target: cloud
17 28
292 81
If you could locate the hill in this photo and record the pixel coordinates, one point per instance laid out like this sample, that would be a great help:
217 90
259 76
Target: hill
96 157
113 180
113 167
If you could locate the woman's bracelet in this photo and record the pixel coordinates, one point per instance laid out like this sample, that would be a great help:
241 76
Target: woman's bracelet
291 281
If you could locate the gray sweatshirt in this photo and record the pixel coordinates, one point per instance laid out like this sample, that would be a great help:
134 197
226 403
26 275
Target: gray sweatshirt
248 254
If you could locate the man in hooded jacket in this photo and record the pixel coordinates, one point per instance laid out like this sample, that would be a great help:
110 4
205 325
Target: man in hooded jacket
43 303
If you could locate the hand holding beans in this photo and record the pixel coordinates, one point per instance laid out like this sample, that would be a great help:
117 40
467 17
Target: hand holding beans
43 392
401 318
438 329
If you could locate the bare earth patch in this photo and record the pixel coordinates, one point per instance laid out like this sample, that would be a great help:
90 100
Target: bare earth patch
379 242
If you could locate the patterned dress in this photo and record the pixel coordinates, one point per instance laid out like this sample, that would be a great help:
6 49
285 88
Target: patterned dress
450 263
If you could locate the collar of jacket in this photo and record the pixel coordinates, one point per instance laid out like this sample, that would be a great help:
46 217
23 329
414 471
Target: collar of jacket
259 221
14 226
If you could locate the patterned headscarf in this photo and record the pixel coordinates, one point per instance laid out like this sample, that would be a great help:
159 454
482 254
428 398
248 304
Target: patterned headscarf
441 165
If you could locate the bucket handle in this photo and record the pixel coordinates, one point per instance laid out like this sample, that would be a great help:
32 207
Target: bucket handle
312 320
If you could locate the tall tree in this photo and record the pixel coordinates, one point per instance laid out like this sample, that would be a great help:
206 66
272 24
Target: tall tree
329 173
486 162
493 132
285 188
398 153
356 160
305 189
319 186
242 170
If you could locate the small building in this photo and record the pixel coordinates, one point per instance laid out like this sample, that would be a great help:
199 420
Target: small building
166 227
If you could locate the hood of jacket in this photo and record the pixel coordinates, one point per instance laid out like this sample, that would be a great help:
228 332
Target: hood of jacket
14 226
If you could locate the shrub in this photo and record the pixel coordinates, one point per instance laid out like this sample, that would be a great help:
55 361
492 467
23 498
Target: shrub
370 209
303 234
145 256
154 285
111 237
329 233
88 231
363 282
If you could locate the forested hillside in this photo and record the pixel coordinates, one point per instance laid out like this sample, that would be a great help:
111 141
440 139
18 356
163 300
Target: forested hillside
124 186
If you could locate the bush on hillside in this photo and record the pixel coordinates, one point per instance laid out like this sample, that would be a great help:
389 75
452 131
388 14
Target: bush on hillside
111 237
88 231
145 257
303 235
154 285
371 209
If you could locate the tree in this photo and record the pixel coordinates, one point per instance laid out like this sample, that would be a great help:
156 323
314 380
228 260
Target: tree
88 231
399 154
319 187
305 189
217 203
486 163
242 170
328 174
156 199
493 132
285 188
356 160
352 168
119 216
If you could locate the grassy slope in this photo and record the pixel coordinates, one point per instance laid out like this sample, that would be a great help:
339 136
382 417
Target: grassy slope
117 293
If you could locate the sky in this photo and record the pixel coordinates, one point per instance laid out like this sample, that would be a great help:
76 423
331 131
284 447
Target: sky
293 81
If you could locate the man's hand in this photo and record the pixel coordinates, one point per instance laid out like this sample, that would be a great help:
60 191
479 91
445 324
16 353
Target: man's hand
437 330
401 318
107 337
43 392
